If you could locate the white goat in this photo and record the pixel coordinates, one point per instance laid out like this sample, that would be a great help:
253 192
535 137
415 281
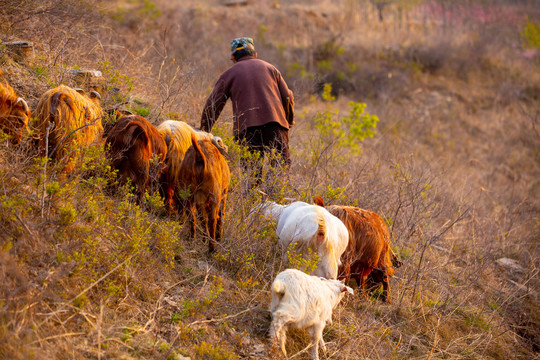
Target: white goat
313 228
271 210
303 301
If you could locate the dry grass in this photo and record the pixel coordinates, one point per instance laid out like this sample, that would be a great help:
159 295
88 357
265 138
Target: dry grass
454 169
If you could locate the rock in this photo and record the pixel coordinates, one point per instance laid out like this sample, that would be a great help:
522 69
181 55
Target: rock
89 79
84 73
20 51
205 266
172 302
259 352
259 349
234 2
510 264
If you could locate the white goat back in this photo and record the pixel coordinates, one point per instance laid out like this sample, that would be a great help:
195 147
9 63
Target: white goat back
287 210
308 298
304 224
303 301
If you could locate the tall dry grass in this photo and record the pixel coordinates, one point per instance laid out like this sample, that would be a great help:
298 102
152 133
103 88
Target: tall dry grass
453 169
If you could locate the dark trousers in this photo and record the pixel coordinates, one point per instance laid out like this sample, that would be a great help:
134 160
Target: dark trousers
262 139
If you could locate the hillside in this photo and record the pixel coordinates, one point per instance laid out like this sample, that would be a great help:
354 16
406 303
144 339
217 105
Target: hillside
453 168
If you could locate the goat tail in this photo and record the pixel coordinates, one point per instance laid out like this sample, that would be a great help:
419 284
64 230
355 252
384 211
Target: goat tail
135 132
124 137
323 240
199 165
318 200
278 287
321 222
278 291
56 100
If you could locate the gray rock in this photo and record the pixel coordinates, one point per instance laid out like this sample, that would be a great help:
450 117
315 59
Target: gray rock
510 264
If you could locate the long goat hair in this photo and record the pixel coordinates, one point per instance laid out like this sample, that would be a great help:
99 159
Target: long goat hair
14 113
137 152
68 119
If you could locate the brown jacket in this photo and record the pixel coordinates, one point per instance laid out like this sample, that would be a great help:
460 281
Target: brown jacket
258 93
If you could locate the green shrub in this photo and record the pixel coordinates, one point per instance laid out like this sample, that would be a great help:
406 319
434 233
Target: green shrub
141 111
304 262
531 35
345 131
67 214
194 307
115 78
207 351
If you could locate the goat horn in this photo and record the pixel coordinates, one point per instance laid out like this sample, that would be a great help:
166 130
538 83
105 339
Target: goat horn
221 146
21 101
95 94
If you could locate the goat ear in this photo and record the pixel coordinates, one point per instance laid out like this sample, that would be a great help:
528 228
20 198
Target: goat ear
318 200
347 289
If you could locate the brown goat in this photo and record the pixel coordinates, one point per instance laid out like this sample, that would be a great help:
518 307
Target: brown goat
177 135
204 179
68 119
137 151
14 113
368 252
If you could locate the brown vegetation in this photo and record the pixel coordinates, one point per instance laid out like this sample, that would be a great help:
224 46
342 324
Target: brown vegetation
453 170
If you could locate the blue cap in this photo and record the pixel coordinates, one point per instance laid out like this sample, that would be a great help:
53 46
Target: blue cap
242 43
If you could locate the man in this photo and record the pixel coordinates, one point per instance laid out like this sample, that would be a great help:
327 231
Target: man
262 103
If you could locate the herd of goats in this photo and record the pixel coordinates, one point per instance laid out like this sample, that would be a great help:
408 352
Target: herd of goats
194 177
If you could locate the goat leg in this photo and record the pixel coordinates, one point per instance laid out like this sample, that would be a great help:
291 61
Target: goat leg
345 272
316 332
168 194
386 289
219 225
278 333
212 225
363 275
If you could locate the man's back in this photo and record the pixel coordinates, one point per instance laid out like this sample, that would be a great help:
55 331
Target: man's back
263 107
257 92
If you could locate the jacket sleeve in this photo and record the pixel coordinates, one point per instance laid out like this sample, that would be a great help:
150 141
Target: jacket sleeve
287 100
214 105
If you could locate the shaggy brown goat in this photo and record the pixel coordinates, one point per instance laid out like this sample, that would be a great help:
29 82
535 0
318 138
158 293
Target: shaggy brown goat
369 247
14 113
137 151
68 119
204 179
177 135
